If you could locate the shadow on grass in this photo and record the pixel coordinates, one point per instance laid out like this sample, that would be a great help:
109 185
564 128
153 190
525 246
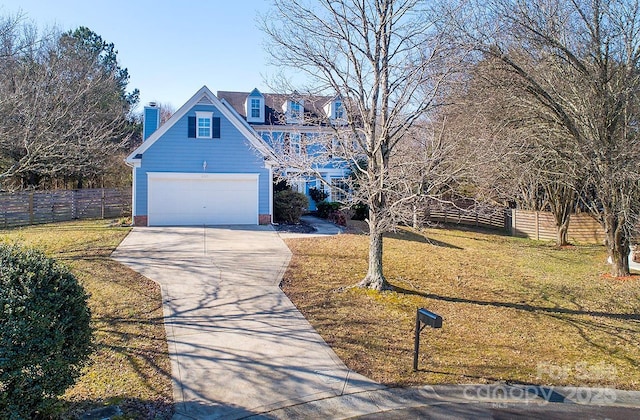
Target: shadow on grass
407 235
519 306
118 407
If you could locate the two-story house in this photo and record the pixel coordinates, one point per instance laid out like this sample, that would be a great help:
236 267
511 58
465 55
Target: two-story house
213 161
292 124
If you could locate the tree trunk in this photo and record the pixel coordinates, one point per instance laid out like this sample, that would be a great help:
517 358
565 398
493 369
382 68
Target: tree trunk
618 245
374 278
562 199
562 233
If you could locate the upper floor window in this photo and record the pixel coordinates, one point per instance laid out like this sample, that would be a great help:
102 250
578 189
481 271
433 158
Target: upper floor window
255 108
295 144
294 111
339 110
335 112
204 126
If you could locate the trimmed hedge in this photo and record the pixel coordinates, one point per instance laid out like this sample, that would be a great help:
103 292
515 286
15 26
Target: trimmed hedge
45 332
289 206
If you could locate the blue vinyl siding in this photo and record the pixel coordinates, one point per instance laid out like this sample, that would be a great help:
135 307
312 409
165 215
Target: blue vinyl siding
338 167
151 121
175 152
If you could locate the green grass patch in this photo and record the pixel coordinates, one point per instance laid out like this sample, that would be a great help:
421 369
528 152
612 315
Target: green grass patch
130 366
514 310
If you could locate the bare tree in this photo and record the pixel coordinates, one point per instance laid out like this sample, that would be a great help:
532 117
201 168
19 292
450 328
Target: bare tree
580 61
386 61
533 153
63 113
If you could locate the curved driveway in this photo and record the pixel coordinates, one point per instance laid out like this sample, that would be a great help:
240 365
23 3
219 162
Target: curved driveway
237 344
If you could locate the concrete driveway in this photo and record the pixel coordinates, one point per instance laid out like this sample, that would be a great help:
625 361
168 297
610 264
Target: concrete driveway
238 346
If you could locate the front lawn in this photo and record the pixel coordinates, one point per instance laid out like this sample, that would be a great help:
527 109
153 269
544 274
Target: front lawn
514 310
130 367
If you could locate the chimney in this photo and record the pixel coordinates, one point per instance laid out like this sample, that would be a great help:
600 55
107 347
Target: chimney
150 120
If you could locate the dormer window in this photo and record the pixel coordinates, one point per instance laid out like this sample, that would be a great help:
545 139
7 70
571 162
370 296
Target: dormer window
334 110
338 110
294 111
254 107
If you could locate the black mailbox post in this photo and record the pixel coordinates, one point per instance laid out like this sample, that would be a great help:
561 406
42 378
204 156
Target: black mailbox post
427 318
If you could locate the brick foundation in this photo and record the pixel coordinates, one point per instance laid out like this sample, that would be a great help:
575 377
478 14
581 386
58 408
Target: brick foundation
140 220
264 219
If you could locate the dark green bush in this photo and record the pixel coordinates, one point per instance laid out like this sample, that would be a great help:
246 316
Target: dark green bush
289 205
318 195
360 211
325 208
45 332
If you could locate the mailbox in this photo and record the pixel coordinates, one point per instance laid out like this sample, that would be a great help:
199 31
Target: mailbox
429 318
426 318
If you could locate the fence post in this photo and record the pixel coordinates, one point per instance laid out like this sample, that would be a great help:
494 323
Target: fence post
537 219
74 204
31 207
102 198
510 221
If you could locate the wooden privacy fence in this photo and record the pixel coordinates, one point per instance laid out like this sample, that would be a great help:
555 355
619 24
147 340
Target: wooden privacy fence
34 207
537 225
486 217
540 225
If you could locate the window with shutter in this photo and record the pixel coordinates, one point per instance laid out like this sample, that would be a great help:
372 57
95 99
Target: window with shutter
191 129
215 127
203 126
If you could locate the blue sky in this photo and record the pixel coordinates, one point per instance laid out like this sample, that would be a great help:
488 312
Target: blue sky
171 48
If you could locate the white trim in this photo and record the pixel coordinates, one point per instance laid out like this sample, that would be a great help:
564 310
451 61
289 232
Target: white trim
201 175
270 193
323 172
239 123
133 193
299 128
258 199
204 115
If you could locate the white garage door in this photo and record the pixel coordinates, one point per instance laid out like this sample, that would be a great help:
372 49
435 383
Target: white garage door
186 199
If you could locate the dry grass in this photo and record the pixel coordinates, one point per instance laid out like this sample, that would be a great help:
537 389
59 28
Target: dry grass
131 365
514 310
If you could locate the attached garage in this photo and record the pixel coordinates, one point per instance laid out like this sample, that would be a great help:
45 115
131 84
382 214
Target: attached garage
188 199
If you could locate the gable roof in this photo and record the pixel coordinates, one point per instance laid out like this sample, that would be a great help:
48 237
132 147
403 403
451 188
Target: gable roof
256 93
204 96
313 105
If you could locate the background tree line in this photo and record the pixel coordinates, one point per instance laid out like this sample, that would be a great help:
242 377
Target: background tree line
65 113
